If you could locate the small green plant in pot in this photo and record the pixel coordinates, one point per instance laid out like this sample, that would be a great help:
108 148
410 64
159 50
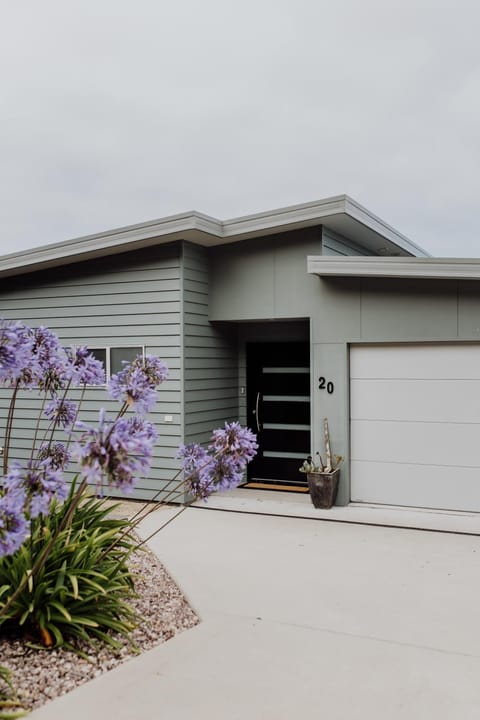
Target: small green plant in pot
323 476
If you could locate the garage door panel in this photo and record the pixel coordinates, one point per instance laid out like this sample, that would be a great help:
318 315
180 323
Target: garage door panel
416 486
419 361
432 400
424 443
415 425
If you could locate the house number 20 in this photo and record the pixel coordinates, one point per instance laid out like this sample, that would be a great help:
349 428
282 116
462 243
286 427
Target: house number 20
327 385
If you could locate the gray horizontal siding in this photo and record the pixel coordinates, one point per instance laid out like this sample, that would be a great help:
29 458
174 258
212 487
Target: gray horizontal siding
141 323
209 352
131 299
109 286
56 303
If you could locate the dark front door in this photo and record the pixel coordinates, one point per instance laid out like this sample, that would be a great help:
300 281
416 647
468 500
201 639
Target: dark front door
278 409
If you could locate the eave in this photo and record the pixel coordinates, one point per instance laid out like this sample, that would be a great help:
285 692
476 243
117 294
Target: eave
340 213
395 267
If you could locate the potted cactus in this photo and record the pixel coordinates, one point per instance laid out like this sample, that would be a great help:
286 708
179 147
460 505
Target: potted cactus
323 476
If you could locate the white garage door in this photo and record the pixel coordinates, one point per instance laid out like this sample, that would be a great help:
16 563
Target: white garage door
415 425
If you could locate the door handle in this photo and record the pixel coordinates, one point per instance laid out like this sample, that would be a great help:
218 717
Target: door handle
257 405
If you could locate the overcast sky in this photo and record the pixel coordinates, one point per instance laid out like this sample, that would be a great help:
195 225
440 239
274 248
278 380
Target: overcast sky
116 112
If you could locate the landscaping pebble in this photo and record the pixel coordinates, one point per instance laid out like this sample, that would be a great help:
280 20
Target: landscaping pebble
41 675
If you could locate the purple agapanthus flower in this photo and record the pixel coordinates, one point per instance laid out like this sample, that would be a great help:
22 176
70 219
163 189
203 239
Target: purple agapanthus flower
50 361
194 456
31 357
84 368
56 453
138 425
13 523
40 482
16 344
195 460
222 465
136 384
240 443
62 413
118 451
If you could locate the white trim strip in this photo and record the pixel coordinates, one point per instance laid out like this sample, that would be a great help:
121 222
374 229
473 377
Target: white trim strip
395 267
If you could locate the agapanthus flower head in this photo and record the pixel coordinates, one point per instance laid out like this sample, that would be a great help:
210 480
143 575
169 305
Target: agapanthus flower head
156 370
137 425
136 384
56 453
13 523
45 343
195 461
51 360
16 343
238 442
61 412
84 368
39 482
117 452
201 486
194 456
222 465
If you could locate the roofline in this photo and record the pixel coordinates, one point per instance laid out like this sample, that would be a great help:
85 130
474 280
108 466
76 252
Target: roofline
321 209
203 230
395 267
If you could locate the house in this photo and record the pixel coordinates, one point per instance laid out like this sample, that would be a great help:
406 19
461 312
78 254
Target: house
280 319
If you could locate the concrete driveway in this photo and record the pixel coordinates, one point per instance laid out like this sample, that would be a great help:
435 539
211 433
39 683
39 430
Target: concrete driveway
303 618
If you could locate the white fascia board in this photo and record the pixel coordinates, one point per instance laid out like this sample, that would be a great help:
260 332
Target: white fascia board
122 239
373 222
282 218
203 230
394 267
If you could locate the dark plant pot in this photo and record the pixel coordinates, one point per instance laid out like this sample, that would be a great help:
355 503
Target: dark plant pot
323 488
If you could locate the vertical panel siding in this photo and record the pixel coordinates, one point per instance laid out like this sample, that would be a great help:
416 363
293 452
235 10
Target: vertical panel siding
264 278
129 299
210 355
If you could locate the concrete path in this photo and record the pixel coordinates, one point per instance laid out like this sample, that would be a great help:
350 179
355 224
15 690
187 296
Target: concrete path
304 619
289 504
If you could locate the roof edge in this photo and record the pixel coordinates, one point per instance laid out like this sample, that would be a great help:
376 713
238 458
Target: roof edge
201 229
395 267
374 222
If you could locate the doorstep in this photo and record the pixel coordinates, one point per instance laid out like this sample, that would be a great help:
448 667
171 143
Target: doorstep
267 502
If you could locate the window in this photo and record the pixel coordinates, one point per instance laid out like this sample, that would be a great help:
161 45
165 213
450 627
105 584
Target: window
119 355
112 358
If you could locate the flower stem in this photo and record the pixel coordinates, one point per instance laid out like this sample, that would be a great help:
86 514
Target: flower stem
143 542
141 515
82 396
8 427
37 426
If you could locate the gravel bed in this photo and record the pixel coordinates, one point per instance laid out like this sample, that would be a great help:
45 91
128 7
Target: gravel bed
41 675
